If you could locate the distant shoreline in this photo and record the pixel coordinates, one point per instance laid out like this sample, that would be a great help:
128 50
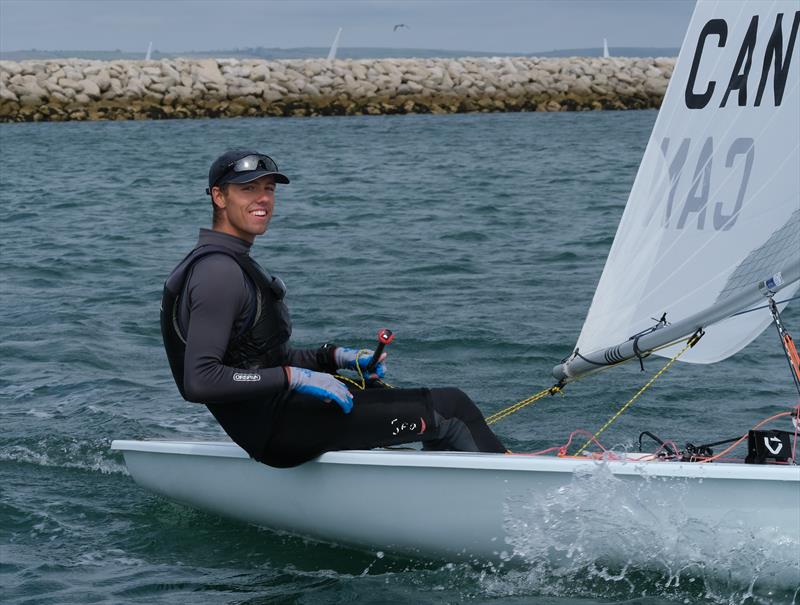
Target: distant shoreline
357 53
73 89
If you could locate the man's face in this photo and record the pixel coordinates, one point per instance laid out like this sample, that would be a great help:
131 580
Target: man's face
246 208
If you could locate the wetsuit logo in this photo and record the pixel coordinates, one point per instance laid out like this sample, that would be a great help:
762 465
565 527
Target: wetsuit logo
241 377
399 427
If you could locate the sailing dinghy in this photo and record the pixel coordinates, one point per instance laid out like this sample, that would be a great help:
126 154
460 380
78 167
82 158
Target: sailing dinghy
710 237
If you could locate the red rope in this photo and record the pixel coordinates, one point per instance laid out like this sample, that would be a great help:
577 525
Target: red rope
609 455
743 437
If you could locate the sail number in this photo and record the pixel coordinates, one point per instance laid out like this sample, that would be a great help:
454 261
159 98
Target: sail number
776 59
693 210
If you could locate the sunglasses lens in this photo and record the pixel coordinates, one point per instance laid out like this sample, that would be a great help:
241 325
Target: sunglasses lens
252 162
246 164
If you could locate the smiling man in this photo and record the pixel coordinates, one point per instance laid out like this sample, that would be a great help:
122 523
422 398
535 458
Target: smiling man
226 332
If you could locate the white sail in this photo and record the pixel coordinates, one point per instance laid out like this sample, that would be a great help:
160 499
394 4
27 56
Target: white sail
715 208
335 46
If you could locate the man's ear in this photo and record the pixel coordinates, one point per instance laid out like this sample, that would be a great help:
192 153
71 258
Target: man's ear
218 197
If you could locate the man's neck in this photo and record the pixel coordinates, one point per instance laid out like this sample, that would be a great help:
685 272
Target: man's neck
228 230
219 237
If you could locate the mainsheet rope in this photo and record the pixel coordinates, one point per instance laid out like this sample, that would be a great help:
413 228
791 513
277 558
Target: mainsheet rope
693 340
553 390
558 388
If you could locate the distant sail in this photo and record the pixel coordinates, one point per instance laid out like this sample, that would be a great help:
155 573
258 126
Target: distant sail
334 46
149 51
715 208
606 54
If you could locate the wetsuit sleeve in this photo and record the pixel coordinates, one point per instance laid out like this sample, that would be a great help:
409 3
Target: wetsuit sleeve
311 360
217 295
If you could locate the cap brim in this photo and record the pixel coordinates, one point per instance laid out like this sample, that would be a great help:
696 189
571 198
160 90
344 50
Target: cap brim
246 177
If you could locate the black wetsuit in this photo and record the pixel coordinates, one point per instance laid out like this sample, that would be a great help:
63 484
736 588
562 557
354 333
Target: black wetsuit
212 309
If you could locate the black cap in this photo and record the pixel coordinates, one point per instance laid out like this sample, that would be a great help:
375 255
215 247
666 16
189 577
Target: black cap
222 169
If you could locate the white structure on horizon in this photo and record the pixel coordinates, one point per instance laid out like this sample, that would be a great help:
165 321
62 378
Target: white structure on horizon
606 54
149 51
334 46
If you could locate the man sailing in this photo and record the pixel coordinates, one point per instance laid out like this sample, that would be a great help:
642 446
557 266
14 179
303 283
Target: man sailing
226 332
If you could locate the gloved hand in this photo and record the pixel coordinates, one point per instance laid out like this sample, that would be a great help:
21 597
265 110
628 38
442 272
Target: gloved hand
346 358
320 385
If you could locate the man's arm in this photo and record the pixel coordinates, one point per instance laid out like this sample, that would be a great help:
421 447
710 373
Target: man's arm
217 294
319 360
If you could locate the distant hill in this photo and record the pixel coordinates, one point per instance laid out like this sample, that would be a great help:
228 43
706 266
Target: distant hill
625 51
321 52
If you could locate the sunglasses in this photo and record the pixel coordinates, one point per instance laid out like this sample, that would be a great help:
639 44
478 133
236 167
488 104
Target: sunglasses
253 162
248 163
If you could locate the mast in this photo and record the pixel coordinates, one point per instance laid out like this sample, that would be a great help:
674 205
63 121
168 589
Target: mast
665 334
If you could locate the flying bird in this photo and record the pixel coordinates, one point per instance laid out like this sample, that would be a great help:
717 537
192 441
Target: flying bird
399 26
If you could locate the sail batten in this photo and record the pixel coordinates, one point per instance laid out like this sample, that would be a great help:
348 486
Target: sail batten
715 206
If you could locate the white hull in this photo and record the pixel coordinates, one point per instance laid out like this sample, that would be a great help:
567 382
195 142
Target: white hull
492 506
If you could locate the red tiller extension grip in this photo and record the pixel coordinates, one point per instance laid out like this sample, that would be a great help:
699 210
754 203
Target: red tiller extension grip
385 336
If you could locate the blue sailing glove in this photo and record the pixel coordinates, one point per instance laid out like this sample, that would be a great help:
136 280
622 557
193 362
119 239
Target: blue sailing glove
320 385
347 359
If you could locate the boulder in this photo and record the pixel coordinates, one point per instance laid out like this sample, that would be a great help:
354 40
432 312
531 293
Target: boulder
184 93
656 86
29 101
260 72
70 83
623 77
322 81
103 80
169 71
359 71
27 86
52 86
90 89
7 95
207 71
11 67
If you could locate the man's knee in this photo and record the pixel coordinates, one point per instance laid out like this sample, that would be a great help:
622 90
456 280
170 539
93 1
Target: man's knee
452 402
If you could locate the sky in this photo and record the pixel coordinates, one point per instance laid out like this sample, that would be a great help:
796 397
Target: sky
517 26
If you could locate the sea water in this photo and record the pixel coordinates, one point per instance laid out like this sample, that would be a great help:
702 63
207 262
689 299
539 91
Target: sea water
478 239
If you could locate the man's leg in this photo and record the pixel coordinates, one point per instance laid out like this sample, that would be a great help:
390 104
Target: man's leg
443 419
460 424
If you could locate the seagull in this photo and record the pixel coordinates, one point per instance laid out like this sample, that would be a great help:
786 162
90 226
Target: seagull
400 25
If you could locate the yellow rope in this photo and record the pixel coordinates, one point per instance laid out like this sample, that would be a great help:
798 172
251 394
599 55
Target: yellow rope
557 388
363 384
496 417
689 344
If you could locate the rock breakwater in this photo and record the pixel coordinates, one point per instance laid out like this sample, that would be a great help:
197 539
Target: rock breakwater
182 88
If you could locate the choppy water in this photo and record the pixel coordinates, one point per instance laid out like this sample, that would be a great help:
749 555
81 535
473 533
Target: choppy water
477 238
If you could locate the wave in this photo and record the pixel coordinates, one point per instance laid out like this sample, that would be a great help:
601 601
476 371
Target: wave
88 461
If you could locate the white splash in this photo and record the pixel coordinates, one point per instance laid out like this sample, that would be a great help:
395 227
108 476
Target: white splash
613 532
